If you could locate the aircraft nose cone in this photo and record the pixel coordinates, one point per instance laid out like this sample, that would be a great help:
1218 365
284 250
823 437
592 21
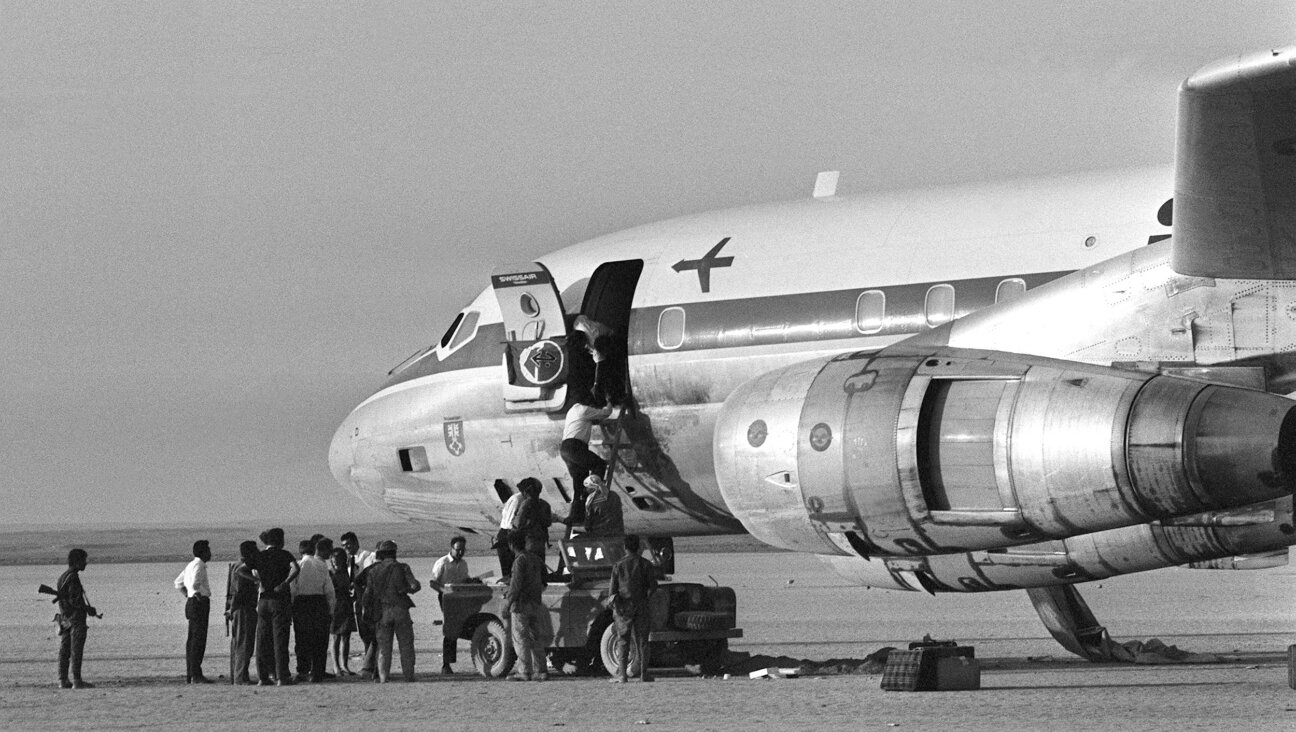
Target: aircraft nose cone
341 456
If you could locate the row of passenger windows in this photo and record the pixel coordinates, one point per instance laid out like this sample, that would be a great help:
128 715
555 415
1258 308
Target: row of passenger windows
870 311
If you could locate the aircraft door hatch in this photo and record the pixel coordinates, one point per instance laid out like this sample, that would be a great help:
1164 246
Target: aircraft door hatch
608 301
535 338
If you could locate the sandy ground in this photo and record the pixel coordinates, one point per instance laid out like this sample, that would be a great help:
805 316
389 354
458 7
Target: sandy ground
789 607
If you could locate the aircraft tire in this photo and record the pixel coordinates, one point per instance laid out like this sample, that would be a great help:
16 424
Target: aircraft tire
492 652
703 620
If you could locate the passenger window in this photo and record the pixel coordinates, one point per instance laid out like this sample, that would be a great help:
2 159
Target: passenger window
670 328
938 307
870 311
1010 289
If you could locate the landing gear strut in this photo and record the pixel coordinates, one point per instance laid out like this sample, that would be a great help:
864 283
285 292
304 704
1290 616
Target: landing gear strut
1072 623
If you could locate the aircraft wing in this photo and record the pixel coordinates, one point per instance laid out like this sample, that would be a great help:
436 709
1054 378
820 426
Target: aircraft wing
1235 169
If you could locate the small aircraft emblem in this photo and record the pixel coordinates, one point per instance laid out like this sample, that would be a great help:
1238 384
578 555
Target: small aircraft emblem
454 437
705 264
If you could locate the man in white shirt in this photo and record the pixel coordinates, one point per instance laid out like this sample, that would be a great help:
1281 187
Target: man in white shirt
448 570
192 582
313 601
357 558
508 517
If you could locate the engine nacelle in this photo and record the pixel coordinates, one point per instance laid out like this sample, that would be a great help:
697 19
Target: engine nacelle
946 450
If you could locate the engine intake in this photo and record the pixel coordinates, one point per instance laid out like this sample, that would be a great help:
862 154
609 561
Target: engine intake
946 450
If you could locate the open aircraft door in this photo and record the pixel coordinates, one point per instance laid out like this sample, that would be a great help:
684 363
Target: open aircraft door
535 338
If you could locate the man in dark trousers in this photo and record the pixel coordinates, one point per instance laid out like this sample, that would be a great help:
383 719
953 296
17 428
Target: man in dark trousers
302 625
633 580
527 613
241 613
596 386
193 584
275 568
449 570
313 601
73 610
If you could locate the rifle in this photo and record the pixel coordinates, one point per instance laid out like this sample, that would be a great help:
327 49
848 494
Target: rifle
47 590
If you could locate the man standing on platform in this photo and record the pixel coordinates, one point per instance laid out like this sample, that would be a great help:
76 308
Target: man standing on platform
603 515
192 583
448 570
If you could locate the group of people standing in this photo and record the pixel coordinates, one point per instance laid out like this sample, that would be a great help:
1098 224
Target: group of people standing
336 591
328 591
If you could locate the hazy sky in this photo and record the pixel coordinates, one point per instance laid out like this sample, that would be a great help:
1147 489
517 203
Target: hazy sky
222 223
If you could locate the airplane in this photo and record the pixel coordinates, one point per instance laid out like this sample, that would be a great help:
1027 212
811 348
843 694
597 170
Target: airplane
1015 385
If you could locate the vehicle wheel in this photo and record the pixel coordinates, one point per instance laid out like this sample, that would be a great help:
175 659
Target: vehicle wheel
607 649
703 620
492 653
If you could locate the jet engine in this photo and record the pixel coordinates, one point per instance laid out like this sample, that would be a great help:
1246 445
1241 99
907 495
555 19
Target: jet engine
942 450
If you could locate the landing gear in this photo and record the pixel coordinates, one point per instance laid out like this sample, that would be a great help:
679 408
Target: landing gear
1072 623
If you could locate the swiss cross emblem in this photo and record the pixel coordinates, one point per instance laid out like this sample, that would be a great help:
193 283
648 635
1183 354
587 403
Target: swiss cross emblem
454 437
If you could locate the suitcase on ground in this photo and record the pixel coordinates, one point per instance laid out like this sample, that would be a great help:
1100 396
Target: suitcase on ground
958 673
903 671
941 666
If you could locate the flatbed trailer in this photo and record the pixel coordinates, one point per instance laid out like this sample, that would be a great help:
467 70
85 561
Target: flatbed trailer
691 623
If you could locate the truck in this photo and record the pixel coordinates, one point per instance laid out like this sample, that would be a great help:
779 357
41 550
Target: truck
691 623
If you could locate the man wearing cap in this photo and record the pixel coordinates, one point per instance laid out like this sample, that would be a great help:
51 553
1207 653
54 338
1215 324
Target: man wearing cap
602 509
390 583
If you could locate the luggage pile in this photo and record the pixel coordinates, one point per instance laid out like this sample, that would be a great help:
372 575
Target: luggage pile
931 665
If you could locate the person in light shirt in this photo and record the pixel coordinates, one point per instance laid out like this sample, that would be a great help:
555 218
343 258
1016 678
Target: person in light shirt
448 570
192 582
508 515
313 601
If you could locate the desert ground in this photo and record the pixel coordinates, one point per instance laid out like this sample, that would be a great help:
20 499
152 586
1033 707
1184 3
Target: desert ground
792 611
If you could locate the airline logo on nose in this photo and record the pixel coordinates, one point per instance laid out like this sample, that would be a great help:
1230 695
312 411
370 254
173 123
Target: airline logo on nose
454 437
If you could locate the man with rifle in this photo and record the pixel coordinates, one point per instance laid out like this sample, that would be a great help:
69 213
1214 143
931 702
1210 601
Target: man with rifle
71 618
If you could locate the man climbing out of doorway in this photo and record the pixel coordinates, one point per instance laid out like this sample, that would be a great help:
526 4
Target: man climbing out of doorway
596 385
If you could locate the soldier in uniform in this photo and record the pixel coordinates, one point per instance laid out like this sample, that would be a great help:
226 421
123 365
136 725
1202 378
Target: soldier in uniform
390 583
73 610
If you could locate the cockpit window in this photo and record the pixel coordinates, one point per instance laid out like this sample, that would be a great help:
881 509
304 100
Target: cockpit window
461 331
445 339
